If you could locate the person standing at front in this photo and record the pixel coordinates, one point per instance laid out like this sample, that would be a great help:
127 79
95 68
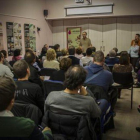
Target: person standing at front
85 42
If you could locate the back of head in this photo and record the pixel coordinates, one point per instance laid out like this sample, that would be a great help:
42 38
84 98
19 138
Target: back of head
20 68
17 52
99 56
93 49
88 52
75 77
29 57
112 53
4 53
56 47
115 49
1 56
71 50
64 52
43 51
124 58
51 55
65 63
79 50
7 91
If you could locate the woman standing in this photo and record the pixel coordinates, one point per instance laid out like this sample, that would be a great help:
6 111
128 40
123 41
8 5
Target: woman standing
134 53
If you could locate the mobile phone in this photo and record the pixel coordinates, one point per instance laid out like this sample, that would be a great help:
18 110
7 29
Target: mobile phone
40 127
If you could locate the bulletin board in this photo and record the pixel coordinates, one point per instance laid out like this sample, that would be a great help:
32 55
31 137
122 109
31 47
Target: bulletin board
30 36
73 36
14 37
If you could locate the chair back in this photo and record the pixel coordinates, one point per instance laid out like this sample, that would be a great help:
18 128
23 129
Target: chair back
70 127
31 111
47 71
123 78
50 85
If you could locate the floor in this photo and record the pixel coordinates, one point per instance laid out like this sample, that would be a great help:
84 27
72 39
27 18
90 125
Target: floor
126 120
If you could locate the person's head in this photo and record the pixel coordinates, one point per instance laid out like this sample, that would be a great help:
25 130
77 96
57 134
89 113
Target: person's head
17 52
21 69
88 52
56 47
124 58
84 34
79 50
65 63
51 55
64 52
99 57
4 53
28 50
137 36
93 49
75 77
7 92
115 49
43 51
112 53
71 50
46 46
30 57
1 57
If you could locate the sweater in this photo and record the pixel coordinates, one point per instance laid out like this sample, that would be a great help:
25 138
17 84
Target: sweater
21 129
65 103
5 71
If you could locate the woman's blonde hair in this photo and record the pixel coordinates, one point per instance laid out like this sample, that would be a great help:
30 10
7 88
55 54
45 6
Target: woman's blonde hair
64 52
51 55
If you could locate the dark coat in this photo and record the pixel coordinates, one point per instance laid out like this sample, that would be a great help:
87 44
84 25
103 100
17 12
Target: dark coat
72 127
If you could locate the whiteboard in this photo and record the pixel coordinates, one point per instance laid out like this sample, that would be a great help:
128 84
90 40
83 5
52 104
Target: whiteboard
89 10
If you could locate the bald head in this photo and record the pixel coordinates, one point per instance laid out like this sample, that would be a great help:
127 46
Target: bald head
74 77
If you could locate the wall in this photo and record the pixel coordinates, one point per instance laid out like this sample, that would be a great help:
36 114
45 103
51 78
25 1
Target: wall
121 7
26 11
105 32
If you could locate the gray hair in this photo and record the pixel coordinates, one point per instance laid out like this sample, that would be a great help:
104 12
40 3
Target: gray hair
99 56
112 53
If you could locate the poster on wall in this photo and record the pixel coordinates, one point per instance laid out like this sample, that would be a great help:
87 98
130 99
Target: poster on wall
1 37
14 37
73 36
30 36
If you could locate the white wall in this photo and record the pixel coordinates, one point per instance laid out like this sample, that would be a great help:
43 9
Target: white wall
26 11
121 7
107 32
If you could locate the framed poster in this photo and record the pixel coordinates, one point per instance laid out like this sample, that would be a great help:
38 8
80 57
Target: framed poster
30 36
1 37
14 37
73 36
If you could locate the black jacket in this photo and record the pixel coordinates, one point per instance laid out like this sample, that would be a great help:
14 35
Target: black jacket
72 127
75 61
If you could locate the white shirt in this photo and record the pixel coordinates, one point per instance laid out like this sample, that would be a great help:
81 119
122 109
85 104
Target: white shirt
86 59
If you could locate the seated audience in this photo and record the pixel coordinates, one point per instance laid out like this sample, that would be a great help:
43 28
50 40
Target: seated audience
57 50
112 59
16 128
16 55
124 65
97 75
4 70
88 58
78 53
64 54
93 51
30 58
43 52
26 91
51 61
5 62
65 63
75 61
75 98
